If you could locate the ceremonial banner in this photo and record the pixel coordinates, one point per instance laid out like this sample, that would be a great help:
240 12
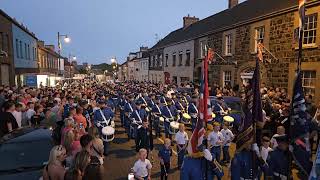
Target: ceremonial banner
315 172
299 127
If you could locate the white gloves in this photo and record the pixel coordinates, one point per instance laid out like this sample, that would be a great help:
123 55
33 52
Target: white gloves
207 155
290 148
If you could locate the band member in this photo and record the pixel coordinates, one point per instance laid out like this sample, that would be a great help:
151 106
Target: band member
245 164
193 111
143 137
168 117
138 116
156 114
128 110
102 118
164 155
181 139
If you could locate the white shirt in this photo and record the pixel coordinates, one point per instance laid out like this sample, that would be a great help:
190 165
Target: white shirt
227 135
264 152
30 113
141 167
214 137
18 116
181 137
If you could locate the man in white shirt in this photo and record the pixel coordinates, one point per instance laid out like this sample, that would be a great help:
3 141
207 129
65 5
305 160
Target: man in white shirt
181 139
30 112
142 167
228 137
18 114
215 140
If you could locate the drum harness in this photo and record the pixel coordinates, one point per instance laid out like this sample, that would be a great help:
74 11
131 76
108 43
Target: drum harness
104 119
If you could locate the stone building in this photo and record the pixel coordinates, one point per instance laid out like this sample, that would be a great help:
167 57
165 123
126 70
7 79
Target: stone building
142 64
235 33
6 50
273 23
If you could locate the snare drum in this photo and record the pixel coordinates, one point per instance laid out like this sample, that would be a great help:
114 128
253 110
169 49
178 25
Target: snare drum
161 122
108 133
228 119
185 118
174 127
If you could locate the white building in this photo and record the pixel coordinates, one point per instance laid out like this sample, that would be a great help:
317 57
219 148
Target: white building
179 62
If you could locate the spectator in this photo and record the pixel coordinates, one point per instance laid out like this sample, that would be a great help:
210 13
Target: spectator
81 161
7 123
30 112
93 171
80 119
280 131
97 144
37 118
17 113
68 125
86 142
165 157
55 169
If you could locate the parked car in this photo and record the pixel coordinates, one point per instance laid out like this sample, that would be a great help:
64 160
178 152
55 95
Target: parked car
24 152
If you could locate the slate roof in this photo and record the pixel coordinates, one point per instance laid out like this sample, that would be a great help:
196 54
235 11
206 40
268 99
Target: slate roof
243 12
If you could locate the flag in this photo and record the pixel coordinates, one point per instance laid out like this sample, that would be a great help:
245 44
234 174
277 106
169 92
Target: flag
314 174
205 113
302 12
299 127
252 112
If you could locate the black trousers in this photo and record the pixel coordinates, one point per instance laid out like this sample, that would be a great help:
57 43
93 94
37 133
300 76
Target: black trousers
165 170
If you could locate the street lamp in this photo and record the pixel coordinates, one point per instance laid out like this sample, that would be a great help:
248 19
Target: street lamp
114 66
66 39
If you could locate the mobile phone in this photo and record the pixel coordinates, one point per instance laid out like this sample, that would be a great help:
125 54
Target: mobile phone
81 126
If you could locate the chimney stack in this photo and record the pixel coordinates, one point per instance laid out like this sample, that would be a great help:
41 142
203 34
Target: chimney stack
41 43
233 3
187 20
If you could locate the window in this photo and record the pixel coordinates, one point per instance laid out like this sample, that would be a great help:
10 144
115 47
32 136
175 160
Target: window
226 78
28 52
21 55
160 60
310 29
228 44
259 36
167 60
17 48
309 82
4 39
174 59
25 51
180 58
202 48
188 58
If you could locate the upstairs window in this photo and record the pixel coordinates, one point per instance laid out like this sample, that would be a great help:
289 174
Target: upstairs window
180 58
259 36
174 58
167 57
228 44
310 29
188 58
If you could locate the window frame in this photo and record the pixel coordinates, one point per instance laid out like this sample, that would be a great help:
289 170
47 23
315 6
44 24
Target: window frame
310 79
188 58
174 59
180 58
228 44
307 30
258 39
166 57
229 79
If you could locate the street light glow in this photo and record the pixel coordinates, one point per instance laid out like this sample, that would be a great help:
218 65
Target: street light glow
67 39
74 58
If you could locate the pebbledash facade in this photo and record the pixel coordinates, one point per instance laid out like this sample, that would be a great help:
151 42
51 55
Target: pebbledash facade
234 34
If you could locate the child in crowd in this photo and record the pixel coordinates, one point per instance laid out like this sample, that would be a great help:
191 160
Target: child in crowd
280 131
165 155
181 139
228 137
265 148
215 140
142 167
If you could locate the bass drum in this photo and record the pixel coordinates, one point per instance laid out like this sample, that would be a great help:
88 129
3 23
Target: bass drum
108 134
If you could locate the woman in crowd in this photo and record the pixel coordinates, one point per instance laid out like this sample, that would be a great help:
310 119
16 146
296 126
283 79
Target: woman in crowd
81 161
97 144
80 119
55 170
68 125
7 123
37 117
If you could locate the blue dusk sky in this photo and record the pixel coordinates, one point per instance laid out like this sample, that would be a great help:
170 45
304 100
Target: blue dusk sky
101 29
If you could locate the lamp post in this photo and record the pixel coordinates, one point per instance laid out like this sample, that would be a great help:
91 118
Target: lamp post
73 58
114 65
66 39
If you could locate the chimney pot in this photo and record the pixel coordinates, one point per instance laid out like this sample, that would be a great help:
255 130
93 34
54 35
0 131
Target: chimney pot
187 20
